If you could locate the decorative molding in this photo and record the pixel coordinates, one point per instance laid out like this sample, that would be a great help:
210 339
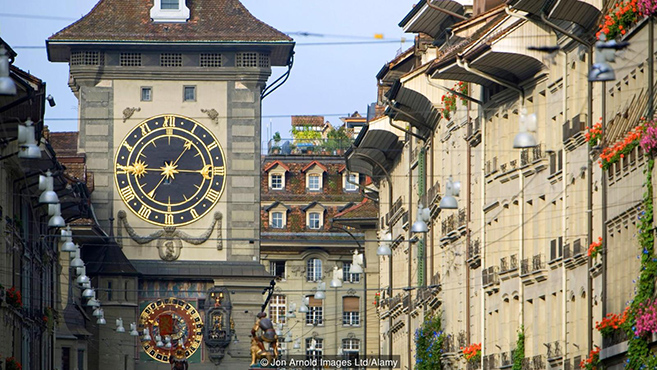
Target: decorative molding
128 112
170 246
213 114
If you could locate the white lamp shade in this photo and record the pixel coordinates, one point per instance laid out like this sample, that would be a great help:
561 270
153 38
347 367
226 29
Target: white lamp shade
383 250
448 202
68 245
82 279
93 302
303 308
356 269
77 261
133 330
101 321
297 344
88 293
320 295
7 85
97 312
523 140
288 337
335 283
46 184
56 221
147 336
119 326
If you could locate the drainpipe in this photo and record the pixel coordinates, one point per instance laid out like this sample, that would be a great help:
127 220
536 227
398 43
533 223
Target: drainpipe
603 185
483 230
564 217
468 238
409 234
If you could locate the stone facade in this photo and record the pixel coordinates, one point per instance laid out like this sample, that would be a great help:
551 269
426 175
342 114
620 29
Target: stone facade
217 85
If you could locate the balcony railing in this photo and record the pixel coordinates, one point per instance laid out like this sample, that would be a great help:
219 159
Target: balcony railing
490 362
435 279
449 224
506 359
462 339
308 146
538 362
538 262
474 254
394 213
463 217
490 276
617 336
449 346
473 365
553 350
509 263
571 129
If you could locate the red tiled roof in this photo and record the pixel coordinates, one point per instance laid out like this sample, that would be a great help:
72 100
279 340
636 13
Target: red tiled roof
273 164
364 209
314 163
129 20
342 168
307 120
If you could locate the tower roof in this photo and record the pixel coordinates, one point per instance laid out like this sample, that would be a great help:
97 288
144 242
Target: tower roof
211 22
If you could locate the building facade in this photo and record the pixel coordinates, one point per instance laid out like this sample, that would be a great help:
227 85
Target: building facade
30 306
314 217
169 101
547 239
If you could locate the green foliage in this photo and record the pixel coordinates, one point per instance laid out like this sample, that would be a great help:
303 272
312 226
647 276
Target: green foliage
639 355
519 354
337 139
429 343
305 133
277 136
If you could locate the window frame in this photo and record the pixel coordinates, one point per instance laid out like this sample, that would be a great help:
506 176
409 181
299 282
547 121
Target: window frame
349 186
317 222
150 93
280 182
163 1
193 87
347 276
273 268
315 268
273 218
313 176
278 309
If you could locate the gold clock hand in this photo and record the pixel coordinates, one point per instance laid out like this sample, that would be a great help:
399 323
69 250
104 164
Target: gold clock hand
170 169
205 171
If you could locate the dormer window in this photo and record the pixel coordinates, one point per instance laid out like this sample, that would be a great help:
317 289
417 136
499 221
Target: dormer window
169 11
314 176
276 173
314 215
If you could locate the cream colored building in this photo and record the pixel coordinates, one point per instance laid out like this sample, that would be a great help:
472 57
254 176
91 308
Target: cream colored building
514 253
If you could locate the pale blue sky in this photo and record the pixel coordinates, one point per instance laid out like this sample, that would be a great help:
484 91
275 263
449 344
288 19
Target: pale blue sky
330 80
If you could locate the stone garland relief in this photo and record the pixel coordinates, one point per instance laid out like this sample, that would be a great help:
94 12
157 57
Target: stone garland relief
168 239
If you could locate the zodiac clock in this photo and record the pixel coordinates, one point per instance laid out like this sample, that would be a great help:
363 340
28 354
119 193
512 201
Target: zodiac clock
168 322
170 170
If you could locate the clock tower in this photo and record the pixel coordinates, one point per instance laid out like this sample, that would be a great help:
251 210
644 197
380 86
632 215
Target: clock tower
169 98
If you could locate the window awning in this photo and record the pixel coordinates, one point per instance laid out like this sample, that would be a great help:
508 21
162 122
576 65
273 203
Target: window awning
503 57
412 107
572 11
374 152
431 21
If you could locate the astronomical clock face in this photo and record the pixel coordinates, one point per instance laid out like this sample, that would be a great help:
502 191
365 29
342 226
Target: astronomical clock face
173 318
170 170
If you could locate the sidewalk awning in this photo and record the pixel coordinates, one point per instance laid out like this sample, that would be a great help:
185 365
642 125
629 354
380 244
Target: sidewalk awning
374 152
412 107
570 11
431 21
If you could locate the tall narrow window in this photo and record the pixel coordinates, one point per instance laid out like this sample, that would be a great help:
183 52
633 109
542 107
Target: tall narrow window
277 268
314 350
125 291
277 309
350 311
109 291
315 315
314 270
347 276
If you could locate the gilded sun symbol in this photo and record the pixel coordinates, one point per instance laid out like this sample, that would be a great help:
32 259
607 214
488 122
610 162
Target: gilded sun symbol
139 168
